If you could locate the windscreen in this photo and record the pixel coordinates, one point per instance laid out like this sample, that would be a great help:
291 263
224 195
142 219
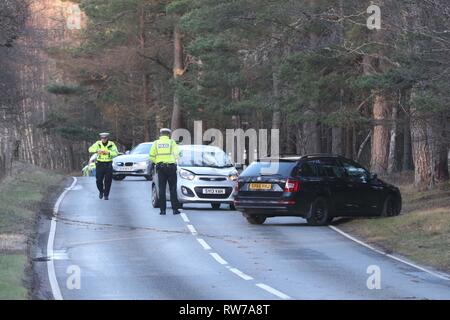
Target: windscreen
269 168
214 158
142 149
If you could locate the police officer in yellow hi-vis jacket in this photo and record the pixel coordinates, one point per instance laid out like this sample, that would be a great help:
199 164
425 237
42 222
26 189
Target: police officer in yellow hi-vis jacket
164 153
106 151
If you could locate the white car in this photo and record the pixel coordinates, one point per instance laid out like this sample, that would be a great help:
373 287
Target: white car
205 175
135 163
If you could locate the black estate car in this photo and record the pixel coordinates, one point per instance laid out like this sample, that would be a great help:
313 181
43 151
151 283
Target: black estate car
315 187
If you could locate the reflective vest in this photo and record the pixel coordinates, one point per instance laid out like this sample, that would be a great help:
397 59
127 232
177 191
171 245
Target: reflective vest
164 150
110 148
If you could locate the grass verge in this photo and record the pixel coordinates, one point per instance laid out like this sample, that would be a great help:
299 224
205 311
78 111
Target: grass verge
421 233
20 198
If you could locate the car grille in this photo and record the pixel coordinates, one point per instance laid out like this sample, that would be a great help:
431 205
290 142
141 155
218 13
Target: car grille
200 194
213 179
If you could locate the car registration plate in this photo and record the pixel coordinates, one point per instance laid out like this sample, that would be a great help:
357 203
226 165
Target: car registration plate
213 191
126 169
260 186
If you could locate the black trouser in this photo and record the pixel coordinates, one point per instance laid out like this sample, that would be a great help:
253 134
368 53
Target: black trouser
167 173
104 174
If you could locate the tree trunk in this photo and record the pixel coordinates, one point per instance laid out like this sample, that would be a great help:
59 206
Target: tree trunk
430 148
393 140
407 152
178 70
337 146
420 153
380 138
276 115
145 77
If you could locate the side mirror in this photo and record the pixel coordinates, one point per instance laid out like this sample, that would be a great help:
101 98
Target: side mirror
373 176
180 140
239 166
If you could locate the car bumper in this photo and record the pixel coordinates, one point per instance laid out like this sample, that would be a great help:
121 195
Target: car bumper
270 208
189 192
137 172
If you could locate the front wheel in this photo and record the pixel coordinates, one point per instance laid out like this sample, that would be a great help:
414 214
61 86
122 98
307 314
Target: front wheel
319 214
232 207
155 200
119 178
148 178
257 220
391 207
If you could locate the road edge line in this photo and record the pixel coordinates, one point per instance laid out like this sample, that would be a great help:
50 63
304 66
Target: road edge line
56 291
362 243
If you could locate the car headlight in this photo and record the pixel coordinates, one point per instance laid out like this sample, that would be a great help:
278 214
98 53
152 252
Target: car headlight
233 177
187 175
142 164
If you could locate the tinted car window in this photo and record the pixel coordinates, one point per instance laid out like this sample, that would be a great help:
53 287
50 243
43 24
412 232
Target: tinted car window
355 171
269 168
327 168
307 170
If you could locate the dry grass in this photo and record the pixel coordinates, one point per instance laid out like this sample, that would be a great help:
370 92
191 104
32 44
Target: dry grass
20 198
421 232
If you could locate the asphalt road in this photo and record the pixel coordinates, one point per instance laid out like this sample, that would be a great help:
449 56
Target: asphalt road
123 249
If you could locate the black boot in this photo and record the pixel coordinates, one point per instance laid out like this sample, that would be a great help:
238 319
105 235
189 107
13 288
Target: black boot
106 197
163 212
100 195
176 211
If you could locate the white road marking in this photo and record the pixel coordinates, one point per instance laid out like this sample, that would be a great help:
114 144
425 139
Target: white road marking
441 276
184 217
51 240
273 291
192 229
204 244
218 258
222 261
241 274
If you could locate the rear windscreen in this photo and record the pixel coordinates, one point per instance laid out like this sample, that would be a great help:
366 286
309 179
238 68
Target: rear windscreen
269 168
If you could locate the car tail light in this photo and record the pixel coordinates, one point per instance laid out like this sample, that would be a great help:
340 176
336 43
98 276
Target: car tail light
292 186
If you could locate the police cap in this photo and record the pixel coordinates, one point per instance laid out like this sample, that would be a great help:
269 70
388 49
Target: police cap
165 131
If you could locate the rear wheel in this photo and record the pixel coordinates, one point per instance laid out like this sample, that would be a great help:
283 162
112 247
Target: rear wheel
391 207
319 214
119 177
254 219
215 206
155 200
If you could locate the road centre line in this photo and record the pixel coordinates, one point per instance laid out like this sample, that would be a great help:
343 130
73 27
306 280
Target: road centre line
241 274
204 244
185 217
238 272
273 291
218 258
192 229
